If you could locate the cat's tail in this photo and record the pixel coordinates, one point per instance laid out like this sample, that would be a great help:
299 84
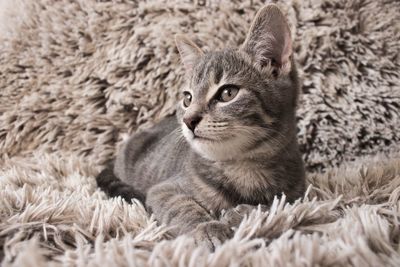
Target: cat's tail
113 186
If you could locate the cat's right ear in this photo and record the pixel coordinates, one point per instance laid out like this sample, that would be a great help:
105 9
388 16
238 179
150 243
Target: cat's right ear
269 40
189 51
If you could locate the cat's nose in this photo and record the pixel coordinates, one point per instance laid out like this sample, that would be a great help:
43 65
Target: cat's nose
192 121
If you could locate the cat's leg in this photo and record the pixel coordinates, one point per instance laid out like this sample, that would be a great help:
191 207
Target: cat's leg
179 210
114 187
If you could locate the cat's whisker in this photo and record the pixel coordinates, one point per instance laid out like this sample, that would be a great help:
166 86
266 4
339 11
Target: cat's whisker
220 122
180 140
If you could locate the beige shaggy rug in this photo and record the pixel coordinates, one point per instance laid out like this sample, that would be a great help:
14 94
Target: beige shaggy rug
77 77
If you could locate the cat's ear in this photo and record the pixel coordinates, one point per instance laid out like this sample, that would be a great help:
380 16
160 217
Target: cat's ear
189 52
269 40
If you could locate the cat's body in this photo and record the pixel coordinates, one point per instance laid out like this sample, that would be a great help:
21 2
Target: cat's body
232 142
160 153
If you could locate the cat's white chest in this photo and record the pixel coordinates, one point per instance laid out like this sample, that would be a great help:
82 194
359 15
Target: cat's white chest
248 176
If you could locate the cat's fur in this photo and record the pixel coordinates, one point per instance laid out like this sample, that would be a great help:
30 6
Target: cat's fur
243 151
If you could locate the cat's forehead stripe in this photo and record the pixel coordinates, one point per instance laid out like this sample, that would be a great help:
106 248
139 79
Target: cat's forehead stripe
213 89
203 72
209 77
218 73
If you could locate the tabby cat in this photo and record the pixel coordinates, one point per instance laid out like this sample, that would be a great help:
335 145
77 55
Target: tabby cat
233 140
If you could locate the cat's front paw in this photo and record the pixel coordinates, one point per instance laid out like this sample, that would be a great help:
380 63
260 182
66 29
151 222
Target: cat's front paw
233 217
211 234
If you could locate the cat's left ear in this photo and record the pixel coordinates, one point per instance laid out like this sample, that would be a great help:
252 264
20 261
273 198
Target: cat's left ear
269 40
189 51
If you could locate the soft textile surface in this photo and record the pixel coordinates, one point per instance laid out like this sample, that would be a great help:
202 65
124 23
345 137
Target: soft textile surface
76 77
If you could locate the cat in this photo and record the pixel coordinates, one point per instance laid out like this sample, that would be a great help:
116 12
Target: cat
232 141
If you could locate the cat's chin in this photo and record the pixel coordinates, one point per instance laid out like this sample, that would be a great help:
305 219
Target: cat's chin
214 150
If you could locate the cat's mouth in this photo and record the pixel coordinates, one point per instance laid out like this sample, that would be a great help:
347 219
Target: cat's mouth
203 138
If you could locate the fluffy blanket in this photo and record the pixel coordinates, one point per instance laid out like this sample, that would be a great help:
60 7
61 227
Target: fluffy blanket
77 77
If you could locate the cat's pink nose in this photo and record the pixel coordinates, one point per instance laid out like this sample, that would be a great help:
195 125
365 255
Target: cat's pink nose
192 121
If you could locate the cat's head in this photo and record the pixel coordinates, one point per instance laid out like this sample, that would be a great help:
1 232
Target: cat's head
239 101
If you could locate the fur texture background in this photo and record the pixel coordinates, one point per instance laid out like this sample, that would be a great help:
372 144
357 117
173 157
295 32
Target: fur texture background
76 77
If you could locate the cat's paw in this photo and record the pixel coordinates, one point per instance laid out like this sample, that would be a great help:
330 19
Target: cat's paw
211 234
233 217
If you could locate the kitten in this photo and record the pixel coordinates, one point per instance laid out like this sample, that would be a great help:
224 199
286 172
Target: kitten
232 142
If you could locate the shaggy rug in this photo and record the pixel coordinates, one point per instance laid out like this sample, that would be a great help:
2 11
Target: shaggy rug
77 77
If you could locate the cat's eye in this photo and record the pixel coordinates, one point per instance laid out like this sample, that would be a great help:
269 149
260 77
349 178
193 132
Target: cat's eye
187 99
227 93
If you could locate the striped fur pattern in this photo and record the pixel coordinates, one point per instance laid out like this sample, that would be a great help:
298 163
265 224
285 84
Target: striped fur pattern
232 142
